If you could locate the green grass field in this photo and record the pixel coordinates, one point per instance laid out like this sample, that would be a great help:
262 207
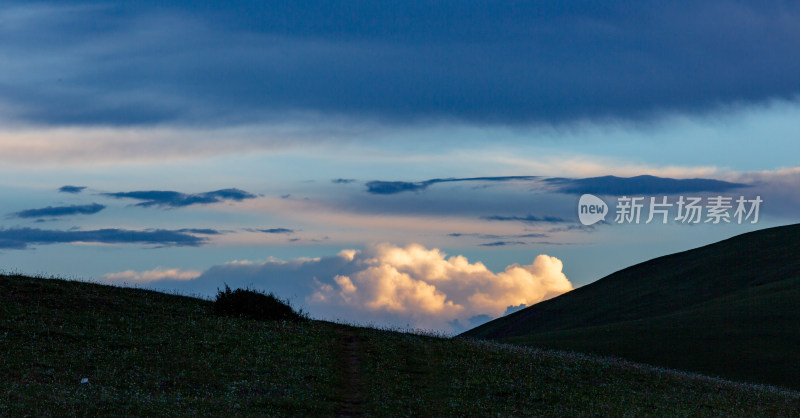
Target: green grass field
728 309
149 353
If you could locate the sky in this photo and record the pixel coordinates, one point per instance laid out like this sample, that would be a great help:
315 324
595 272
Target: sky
399 164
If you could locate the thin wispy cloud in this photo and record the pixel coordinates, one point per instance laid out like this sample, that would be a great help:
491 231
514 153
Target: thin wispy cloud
607 185
640 185
502 243
201 231
174 199
530 219
130 277
394 187
21 238
271 230
277 231
496 236
55 211
71 189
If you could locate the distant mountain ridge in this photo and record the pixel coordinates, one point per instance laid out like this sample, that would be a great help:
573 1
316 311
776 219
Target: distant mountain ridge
731 308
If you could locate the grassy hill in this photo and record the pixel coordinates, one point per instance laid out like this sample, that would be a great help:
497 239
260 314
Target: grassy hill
146 353
727 309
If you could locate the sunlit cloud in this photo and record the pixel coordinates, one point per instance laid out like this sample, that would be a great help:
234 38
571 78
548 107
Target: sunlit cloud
428 288
142 277
67 146
386 283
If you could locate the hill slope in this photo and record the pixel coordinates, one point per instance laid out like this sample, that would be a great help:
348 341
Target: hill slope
148 353
728 309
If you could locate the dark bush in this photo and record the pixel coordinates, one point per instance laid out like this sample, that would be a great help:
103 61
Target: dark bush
254 304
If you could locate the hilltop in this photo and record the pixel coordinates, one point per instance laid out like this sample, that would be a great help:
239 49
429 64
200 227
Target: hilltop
728 309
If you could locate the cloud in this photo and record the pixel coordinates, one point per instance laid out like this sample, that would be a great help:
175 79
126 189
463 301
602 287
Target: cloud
71 189
392 285
640 185
780 190
201 231
500 240
496 236
176 199
568 228
276 231
530 219
528 199
502 243
394 187
429 289
60 211
475 321
20 238
343 181
400 61
141 277
512 309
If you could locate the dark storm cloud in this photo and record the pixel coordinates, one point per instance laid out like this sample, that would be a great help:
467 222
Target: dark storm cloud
71 189
479 61
51 211
640 185
394 187
20 238
176 199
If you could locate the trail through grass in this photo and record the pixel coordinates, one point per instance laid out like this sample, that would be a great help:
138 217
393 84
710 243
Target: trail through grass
351 394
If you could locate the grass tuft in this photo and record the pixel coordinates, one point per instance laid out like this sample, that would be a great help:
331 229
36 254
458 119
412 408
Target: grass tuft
254 304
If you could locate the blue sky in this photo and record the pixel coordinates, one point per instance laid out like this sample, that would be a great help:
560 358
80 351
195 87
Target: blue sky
346 154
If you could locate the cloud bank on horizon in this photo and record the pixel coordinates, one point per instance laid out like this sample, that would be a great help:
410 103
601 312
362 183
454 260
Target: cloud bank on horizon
388 284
